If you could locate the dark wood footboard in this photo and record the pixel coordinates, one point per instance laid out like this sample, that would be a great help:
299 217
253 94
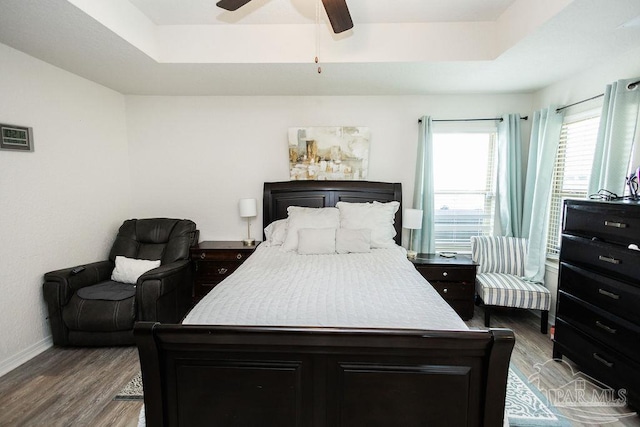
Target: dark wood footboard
269 376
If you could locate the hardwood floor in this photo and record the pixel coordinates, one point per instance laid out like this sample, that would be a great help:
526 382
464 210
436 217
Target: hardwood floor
76 386
71 387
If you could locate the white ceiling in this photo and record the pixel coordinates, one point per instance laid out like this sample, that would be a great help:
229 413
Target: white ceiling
191 47
205 12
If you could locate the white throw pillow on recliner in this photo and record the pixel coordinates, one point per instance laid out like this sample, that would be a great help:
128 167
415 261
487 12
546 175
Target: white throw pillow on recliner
128 270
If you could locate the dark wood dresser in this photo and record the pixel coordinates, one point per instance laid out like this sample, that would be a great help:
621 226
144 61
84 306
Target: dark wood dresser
598 308
214 261
453 278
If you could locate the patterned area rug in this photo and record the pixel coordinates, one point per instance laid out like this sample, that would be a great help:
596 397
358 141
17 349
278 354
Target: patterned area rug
131 391
525 405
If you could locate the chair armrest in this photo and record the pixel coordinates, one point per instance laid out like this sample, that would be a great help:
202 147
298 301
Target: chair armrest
164 293
164 271
65 283
60 285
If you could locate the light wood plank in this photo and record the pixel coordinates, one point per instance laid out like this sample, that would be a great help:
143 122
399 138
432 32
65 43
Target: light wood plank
70 387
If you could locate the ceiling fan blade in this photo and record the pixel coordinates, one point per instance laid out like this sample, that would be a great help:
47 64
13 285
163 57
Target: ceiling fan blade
339 15
232 4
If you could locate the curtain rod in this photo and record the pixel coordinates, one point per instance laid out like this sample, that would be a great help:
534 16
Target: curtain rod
496 119
630 86
579 102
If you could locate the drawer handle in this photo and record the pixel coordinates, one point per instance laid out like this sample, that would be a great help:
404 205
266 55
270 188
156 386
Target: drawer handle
239 256
609 259
602 360
605 327
615 224
609 294
445 290
445 274
203 255
222 270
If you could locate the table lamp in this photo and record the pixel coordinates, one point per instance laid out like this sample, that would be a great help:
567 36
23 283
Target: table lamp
412 219
248 209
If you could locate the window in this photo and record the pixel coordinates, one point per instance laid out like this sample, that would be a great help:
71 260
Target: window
464 172
572 170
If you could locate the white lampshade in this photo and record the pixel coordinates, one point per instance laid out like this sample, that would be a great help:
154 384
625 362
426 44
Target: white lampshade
248 208
412 219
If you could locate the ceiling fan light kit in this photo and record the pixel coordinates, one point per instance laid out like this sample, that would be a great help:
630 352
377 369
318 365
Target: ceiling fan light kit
337 11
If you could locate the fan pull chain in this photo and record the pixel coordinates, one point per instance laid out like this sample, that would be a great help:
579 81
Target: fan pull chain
317 60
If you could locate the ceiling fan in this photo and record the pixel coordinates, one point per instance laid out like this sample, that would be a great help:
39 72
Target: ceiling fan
337 11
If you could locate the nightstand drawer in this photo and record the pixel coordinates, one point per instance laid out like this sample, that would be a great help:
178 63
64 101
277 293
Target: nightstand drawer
221 255
447 273
219 269
454 290
203 288
213 261
453 278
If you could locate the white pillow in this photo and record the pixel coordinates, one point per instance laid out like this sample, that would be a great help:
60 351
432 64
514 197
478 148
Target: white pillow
276 232
353 240
376 216
129 269
313 241
300 217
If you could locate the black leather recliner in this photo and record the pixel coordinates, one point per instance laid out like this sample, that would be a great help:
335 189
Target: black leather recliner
103 312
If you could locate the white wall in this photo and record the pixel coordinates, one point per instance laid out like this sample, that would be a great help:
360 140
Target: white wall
582 86
212 151
60 205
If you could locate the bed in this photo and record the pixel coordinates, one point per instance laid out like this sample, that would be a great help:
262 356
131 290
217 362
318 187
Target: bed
235 362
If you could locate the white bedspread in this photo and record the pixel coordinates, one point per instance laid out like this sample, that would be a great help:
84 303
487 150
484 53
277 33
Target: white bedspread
381 289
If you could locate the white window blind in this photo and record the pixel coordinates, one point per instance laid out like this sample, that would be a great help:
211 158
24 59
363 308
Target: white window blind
572 170
464 177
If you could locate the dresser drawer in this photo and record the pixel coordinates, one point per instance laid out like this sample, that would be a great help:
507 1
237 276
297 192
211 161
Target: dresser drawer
610 222
612 295
614 369
604 257
435 273
612 331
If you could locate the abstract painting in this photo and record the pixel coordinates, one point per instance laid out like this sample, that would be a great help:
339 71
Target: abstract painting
329 153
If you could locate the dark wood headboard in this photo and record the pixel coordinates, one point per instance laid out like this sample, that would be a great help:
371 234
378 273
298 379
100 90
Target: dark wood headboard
278 196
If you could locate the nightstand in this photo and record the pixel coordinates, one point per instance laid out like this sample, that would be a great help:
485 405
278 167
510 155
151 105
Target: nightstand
215 260
453 278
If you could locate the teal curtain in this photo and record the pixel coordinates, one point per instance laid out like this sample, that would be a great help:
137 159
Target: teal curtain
424 239
543 146
509 200
618 123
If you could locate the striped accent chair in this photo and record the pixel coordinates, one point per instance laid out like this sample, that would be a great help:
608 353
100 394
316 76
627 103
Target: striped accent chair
499 279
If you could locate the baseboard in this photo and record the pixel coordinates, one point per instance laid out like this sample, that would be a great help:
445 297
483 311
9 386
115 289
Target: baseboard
25 355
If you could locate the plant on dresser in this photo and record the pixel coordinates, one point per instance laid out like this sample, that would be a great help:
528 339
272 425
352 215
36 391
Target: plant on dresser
215 260
598 308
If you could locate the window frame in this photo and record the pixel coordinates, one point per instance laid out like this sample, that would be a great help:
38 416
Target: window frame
558 193
489 191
